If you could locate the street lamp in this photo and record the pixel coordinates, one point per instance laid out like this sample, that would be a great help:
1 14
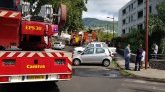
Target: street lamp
113 26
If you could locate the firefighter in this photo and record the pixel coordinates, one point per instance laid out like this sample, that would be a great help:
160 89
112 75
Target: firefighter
138 58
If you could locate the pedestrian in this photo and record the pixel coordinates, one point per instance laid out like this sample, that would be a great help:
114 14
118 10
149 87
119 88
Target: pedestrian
155 48
138 58
143 59
127 56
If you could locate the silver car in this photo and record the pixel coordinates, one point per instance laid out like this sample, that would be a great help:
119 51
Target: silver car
92 44
58 45
95 55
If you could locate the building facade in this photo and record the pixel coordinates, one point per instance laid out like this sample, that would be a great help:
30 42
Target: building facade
133 14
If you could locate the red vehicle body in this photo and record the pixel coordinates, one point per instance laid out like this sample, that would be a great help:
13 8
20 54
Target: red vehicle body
25 64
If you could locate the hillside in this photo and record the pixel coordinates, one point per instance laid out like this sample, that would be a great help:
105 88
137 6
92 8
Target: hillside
92 22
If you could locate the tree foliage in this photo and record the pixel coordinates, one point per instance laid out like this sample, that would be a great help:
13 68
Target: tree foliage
74 11
157 28
134 38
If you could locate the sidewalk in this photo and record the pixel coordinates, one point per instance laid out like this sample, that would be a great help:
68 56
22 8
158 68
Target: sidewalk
144 73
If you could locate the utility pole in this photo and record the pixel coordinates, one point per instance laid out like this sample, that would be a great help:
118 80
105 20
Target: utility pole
146 36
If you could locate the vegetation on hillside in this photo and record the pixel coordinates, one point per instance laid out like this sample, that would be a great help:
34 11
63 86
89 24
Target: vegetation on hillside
92 22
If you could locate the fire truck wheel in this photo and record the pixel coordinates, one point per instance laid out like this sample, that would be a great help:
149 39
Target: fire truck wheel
106 62
76 62
63 15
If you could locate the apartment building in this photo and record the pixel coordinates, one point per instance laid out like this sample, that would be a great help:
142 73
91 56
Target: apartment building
132 15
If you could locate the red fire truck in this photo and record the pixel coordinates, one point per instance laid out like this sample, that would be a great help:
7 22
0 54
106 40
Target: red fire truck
22 44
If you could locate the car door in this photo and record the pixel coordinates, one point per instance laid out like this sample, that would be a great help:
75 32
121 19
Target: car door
87 55
99 55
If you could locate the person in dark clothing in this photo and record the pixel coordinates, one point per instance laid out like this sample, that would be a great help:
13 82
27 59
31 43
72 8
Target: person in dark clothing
138 58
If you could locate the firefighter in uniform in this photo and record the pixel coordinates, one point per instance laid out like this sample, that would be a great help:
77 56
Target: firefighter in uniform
139 56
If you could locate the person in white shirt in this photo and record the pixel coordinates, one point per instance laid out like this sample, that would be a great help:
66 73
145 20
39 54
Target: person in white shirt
143 59
27 17
155 50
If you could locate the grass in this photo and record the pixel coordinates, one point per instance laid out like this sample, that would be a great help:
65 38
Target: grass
122 71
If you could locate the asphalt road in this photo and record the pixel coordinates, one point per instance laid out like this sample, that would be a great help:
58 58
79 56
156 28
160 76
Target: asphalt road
89 79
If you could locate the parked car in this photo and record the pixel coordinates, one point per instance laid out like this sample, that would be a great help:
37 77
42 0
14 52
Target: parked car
58 45
95 55
112 50
92 44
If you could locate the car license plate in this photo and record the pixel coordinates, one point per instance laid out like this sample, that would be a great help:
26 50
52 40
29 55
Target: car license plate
36 77
15 78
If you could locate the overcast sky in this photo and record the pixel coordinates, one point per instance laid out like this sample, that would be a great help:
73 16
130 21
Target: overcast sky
101 9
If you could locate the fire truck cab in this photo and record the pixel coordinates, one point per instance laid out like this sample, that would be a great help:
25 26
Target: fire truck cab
22 44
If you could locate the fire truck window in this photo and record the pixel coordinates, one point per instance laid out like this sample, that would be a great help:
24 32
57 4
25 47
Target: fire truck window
34 38
9 4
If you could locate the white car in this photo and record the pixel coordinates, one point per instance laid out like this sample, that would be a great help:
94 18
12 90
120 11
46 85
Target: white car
92 44
58 45
112 50
94 55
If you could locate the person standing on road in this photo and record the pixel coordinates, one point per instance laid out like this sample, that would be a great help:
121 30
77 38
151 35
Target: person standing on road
155 50
143 59
139 56
127 56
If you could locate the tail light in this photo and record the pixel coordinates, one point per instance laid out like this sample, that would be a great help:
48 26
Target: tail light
60 61
4 79
65 76
9 62
110 54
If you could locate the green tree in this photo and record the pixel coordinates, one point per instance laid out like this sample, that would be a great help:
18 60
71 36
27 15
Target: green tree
157 28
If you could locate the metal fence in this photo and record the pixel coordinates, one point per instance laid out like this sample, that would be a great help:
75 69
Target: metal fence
158 56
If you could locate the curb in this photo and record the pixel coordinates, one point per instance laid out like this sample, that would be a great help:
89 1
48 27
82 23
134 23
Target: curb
133 76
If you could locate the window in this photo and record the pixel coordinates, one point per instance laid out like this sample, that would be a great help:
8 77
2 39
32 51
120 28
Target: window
89 51
124 11
140 2
131 7
90 45
150 9
123 31
100 50
131 19
140 26
124 22
7 4
104 45
98 45
140 14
